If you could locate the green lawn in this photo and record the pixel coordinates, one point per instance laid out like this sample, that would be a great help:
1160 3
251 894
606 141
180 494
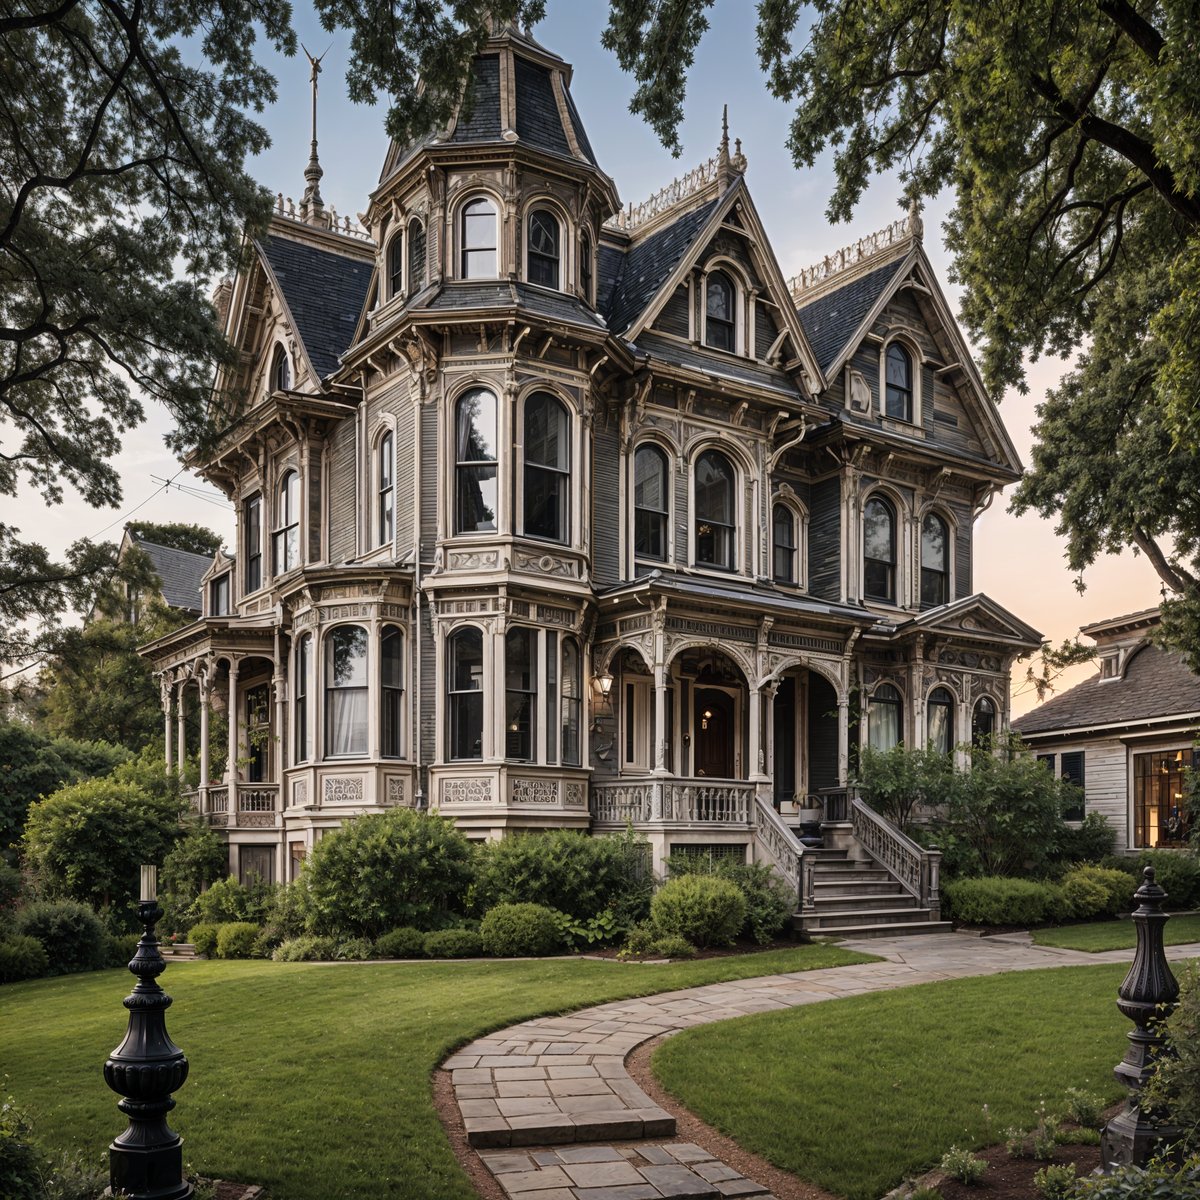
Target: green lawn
1116 935
313 1079
857 1094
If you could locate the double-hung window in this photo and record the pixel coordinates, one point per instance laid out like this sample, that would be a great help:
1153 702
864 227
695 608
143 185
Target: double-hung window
286 539
346 691
714 503
547 468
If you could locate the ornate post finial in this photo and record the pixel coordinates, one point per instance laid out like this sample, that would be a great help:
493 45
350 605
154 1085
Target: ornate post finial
312 207
724 170
915 225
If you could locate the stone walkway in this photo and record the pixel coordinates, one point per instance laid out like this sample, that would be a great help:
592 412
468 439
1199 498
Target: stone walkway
543 1101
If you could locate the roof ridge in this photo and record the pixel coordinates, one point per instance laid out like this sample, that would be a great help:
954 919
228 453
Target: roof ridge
838 268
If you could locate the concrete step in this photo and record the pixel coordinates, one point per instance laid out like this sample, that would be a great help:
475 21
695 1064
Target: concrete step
837 903
862 874
907 929
839 919
857 887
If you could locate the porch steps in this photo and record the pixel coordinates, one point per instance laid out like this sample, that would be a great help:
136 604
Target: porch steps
854 898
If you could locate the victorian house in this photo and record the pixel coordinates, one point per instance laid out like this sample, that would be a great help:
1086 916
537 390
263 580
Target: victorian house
558 514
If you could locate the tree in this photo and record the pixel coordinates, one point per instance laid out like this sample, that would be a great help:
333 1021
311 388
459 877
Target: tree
177 535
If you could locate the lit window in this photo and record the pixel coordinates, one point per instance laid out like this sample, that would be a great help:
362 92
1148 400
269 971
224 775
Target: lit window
253 527
650 477
714 510
885 714
935 572
303 655
939 721
464 699
391 681
346 691
286 539
543 255
387 490
879 551
416 257
520 693
783 544
475 463
719 312
281 371
478 233
898 393
547 468
395 265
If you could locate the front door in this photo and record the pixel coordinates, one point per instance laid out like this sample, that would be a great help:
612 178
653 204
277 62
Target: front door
712 732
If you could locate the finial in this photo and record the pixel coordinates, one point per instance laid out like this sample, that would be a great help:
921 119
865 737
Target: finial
738 162
916 226
312 207
723 165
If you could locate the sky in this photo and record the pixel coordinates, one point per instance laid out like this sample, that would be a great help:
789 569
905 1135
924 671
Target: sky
1019 561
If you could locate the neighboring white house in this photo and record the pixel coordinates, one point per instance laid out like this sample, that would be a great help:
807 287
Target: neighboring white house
1125 735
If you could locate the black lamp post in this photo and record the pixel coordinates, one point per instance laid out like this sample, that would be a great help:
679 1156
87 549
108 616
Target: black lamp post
146 1161
1146 997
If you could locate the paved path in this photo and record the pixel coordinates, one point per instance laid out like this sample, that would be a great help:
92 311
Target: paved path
543 1101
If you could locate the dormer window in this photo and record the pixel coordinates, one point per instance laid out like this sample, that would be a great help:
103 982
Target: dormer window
478 239
281 371
218 596
395 265
720 325
1108 666
898 391
416 256
542 254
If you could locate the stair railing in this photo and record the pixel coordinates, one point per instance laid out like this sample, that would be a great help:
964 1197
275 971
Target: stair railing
785 851
916 869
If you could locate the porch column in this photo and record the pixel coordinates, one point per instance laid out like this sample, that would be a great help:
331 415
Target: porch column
231 767
279 690
204 683
660 719
769 691
181 731
843 741
165 689
756 773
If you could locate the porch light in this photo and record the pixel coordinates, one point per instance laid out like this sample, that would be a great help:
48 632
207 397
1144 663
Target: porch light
604 683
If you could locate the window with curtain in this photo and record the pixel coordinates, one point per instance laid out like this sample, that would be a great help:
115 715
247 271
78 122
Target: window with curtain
983 722
391 682
395 265
879 550
464 694
281 371
935 561
387 490
714 501
720 312
585 267
477 236
783 544
416 257
650 508
300 687
572 703
346 691
520 694
258 733
542 253
253 528
939 720
898 391
286 539
475 462
885 713
547 468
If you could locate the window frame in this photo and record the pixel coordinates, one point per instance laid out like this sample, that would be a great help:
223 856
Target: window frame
385 491
792 576
300 691
929 574
280 377
554 262
891 565
908 395
391 695
881 699
394 262
468 699
570 691
660 516
559 476
462 466
731 563
731 323
253 573
464 250
415 278
951 705
287 523
220 595
520 701
587 272
332 688
993 713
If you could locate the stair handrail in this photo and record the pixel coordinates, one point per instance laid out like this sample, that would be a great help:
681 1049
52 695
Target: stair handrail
786 850
915 868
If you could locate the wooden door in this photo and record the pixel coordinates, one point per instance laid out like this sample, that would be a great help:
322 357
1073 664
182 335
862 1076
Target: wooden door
712 733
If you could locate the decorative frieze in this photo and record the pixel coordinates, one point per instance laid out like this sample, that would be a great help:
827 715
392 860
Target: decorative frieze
549 615
575 794
547 564
394 789
344 612
535 791
804 641
255 820
711 629
300 793
343 789
466 791
472 560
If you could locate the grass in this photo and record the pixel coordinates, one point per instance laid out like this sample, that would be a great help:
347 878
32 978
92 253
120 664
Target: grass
312 1079
858 1094
1118 934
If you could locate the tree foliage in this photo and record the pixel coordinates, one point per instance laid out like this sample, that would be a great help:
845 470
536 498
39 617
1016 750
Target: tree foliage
178 535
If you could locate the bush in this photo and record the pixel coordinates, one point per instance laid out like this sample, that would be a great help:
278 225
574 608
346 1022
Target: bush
354 950
284 918
963 1165
400 867
640 939
120 948
769 901
1096 892
307 948
22 957
1055 1182
236 939
598 931
197 861
1157 1181
705 910
1175 1085
71 933
454 943
1092 841
1002 901
519 930
671 945
898 780
203 938
228 900
573 872
405 942
1084 1108
1176 872
20 1163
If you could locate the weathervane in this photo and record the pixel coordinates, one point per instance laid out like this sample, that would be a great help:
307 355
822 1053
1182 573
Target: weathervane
312 207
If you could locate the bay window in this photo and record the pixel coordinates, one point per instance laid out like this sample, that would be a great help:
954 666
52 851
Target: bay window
464 694
346 691
547 469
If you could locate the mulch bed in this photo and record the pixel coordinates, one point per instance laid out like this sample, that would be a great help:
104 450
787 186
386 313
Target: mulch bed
1012 1178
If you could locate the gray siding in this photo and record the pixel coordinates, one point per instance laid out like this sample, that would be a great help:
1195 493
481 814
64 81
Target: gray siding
674 316
429 480
343 516
406 441
962 553
822 733
824 540
314 505
606 505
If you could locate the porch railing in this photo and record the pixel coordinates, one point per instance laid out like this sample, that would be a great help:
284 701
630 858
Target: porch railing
697 801
786 854
916 869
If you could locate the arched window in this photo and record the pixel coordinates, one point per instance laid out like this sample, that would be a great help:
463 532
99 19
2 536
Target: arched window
885 718
650 510
783 544
939 721
585 266
542 253
386 509
899 391
300 687
346 691
720 312
416 256
983 723
547 469
285 541
475 462
477 234
879 550
572 701
464 695
715 525
254 543
391 683
395 265
935 561
281 371
520 693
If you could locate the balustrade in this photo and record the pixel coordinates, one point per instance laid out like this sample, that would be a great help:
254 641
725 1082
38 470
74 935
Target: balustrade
916 869
695 801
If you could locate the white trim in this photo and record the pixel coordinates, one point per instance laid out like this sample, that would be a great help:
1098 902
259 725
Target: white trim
909 343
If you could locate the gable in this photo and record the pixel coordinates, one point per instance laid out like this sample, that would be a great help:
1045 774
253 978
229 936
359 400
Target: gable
976 616
831 320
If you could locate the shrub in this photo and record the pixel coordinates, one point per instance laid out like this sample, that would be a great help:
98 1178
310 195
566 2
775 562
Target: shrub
1089 843
640 939
197 861
1176 872
671 945
454 943
599 930
10 887
898 780
306 948
963 1165
354 949
404 942
1096 891
513 930
235 939
228 900
71 933
1002 901
573 872
1045 1133
119 949
400 867
1056 1182
769 901
284 917
1014 1142
1158 1180
1083 1107
705 910
1175 1085
203 937
22 957
20 1163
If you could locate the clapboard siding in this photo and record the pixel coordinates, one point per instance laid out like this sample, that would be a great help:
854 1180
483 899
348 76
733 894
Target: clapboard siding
824 540
406 443
343 515
963 550
674 315
429 480
428 685
606 507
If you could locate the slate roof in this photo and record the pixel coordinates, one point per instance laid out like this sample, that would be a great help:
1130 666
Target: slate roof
556 306
538 119
483 125
830 320
646 264
180 572
325 293
697 359
1156 683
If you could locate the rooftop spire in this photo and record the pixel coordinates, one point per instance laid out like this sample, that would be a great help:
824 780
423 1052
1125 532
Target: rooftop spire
723 168
312 207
